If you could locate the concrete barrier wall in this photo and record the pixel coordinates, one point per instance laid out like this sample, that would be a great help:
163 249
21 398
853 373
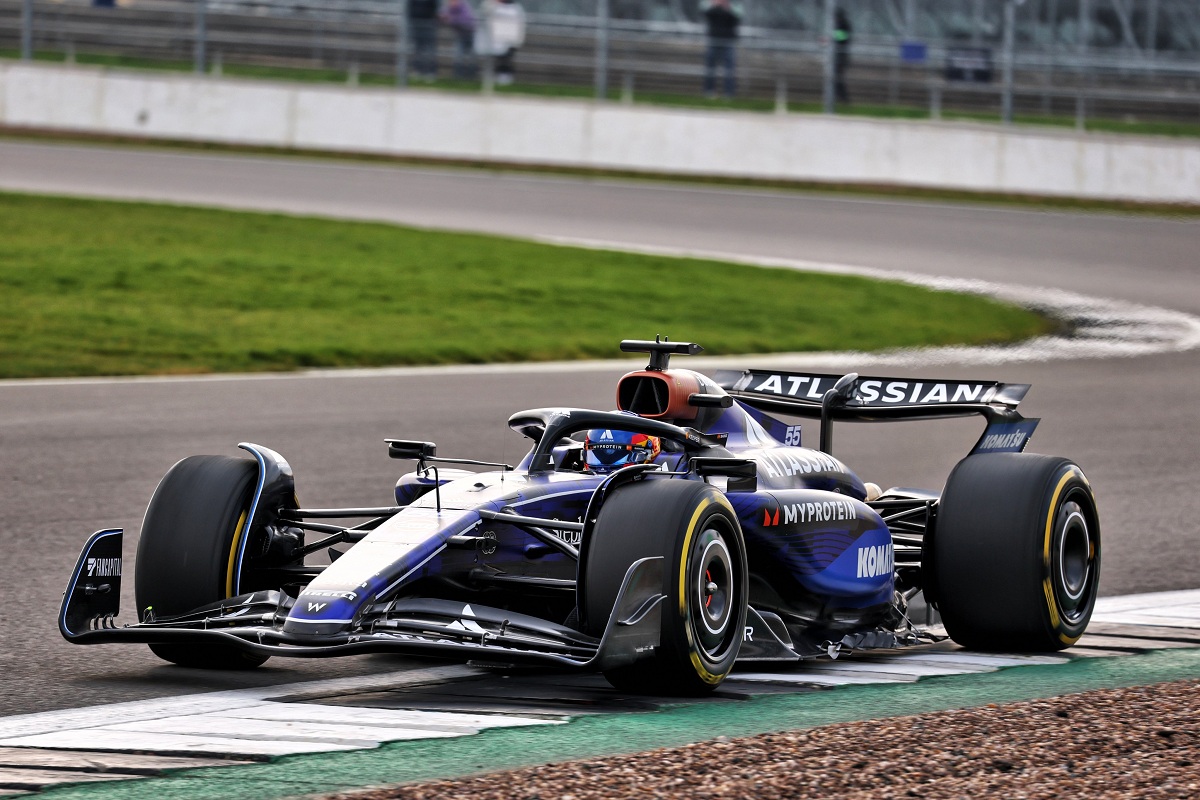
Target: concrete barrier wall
799 147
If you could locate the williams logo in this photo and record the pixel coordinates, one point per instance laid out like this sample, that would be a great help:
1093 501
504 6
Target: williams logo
104 567
874 561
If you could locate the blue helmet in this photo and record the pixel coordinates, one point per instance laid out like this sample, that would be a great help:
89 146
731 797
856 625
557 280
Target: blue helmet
606 450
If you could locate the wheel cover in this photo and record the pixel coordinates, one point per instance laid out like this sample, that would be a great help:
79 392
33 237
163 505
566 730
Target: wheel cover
714 592
1073 561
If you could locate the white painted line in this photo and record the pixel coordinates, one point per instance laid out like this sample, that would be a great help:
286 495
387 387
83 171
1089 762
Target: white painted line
813 678
1096 652
995 661
1151 600
407 718
896 667
91 761
963 667
97 716
1154 620
267 730
1179 609
1125 643
34 779
244 722
87 739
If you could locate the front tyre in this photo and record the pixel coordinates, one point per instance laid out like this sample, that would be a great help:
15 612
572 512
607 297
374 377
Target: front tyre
186 556
1016 553
695 529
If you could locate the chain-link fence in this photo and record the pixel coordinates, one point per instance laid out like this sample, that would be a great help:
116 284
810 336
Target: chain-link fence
1131 61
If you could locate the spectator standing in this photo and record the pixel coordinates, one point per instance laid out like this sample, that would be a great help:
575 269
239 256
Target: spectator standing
841 54
457 15
422 29
504 33
722 19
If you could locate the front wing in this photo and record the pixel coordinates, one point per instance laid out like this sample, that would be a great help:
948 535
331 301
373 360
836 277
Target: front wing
425 626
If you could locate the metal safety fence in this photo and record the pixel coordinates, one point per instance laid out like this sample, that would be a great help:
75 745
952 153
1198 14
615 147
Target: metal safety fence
1071 61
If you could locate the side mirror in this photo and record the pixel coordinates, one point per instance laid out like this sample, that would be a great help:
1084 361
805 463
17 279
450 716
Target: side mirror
404 448
843 389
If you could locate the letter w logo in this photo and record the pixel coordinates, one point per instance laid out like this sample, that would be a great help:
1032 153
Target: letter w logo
316 607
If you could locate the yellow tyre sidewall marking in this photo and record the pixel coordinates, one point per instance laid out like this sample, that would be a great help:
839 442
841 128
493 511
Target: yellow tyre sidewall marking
701 669
238 533
1047 585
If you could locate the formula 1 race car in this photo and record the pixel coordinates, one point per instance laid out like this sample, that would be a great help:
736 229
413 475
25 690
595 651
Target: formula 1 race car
659 544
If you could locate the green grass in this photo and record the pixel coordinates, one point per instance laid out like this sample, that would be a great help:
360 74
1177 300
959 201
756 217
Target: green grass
106 288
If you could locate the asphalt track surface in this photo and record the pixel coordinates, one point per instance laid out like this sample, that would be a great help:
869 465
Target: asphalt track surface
80 456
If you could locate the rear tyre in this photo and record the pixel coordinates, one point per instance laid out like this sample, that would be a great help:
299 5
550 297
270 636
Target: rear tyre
695 529
189 544
1016 552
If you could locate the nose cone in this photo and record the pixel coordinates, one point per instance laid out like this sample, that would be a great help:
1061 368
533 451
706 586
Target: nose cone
322 613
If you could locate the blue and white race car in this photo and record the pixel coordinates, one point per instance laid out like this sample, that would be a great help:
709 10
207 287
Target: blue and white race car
659 544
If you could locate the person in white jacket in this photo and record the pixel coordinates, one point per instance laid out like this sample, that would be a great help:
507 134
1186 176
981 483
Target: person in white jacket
501 35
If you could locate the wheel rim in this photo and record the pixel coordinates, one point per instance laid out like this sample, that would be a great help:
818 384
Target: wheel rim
1074 561
714 592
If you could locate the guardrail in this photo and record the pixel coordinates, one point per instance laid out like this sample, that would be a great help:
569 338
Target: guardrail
368 41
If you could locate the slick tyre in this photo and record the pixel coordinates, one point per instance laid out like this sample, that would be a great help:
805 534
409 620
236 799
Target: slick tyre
1016 553
693 527
189 544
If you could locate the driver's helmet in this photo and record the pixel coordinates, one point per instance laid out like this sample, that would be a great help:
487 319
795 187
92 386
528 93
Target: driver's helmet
608 449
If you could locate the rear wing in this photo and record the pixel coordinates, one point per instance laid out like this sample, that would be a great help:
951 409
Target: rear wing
873 399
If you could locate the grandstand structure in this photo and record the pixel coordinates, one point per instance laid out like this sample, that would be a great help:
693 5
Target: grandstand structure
1060 60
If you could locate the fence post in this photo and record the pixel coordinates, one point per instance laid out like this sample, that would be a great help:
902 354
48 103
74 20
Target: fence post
827 95
1151 46
27 30
200 60
1006 104
627 89
488 73
1080 110
781 98
935 99
402 44
601 49
1084 29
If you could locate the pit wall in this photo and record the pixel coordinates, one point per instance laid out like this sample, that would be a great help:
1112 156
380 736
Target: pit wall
612 136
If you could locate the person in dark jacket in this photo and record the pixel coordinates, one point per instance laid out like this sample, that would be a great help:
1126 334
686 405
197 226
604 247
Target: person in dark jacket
841 54
722 18
423 30
459 17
